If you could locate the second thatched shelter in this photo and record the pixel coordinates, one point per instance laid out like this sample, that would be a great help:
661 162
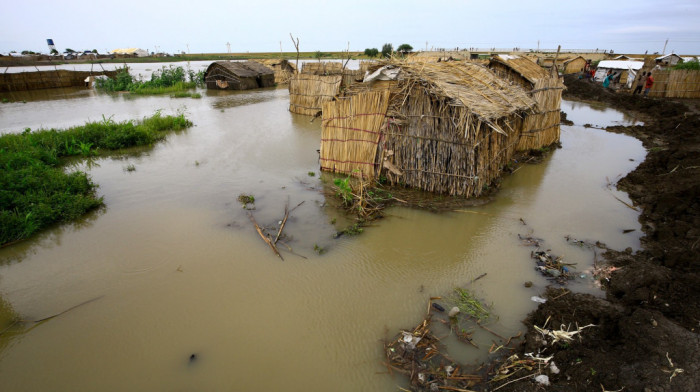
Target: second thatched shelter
238 75
441 127
283 69
545 87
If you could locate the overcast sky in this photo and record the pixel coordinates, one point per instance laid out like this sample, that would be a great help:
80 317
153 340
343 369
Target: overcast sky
259 26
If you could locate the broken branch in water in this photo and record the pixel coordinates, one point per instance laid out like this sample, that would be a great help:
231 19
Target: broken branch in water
264 237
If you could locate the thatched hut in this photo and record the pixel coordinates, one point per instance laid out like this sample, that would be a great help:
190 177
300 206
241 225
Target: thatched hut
573 65
545 87
283 69
441 127
238 75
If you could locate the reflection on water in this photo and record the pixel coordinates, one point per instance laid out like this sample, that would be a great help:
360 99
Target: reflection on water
180 269
597 115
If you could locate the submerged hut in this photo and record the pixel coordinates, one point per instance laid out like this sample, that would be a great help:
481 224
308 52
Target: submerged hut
545 87
283 69
238 75
441 127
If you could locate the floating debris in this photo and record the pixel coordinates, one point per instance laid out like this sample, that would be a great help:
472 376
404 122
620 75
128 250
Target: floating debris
418 355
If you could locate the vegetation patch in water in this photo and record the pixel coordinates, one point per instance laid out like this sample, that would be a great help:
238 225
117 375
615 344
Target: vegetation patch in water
167 80
36 192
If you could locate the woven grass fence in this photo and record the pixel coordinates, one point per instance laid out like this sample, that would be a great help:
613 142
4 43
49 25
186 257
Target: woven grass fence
351 132
282 68
23 81
322 68
677 83
307 92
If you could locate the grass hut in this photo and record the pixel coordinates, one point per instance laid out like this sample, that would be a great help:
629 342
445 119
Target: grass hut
283 69
447 127
545 87
238 75
573 65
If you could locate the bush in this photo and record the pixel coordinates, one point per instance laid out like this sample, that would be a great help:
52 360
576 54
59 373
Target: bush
373 52
387 50
691 65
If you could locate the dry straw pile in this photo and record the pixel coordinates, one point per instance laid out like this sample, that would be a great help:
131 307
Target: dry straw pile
545 87
447 128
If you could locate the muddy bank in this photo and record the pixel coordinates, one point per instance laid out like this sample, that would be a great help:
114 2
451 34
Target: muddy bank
646 329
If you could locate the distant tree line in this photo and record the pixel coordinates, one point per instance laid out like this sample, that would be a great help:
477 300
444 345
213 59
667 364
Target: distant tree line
388 50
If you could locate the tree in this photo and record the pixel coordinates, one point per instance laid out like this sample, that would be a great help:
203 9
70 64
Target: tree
387 49
54 51
373 52
404 49
94 51
69 50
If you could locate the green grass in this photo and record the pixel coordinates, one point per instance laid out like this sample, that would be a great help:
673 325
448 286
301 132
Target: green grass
36 192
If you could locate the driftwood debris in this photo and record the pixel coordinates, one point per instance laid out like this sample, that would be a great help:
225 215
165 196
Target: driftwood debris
265 237
268 239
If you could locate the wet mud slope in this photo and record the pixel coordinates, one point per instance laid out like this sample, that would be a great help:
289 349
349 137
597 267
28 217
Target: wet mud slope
645 333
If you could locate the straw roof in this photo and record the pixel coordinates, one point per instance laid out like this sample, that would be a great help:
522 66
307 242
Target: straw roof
523 66
470 85
244 69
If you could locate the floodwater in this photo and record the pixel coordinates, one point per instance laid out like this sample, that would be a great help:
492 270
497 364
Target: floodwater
184 295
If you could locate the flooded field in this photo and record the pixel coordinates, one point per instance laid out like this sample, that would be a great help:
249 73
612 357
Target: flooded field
184 295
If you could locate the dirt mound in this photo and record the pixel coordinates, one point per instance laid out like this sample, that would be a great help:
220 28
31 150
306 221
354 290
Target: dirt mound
646 331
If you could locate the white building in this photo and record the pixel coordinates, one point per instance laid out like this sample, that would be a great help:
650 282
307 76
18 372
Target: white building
628 68
138 52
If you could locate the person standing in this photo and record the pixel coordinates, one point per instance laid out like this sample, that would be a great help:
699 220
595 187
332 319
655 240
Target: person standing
640 84
608 79
648 84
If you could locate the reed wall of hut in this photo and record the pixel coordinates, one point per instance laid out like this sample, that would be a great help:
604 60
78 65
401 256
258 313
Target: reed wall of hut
23 81
448 128
676 83
541 128
238 75
307 92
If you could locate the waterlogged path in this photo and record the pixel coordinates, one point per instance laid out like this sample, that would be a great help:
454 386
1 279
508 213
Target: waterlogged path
190 298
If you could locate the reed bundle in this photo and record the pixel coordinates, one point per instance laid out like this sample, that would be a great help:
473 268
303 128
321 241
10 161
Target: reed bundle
449 128
308 92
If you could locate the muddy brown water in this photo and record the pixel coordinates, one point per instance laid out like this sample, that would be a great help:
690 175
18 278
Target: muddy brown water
177 269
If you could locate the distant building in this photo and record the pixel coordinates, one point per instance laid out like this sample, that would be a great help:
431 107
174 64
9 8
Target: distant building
131 51
668 60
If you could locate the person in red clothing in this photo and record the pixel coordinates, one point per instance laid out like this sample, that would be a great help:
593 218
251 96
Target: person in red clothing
648 84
